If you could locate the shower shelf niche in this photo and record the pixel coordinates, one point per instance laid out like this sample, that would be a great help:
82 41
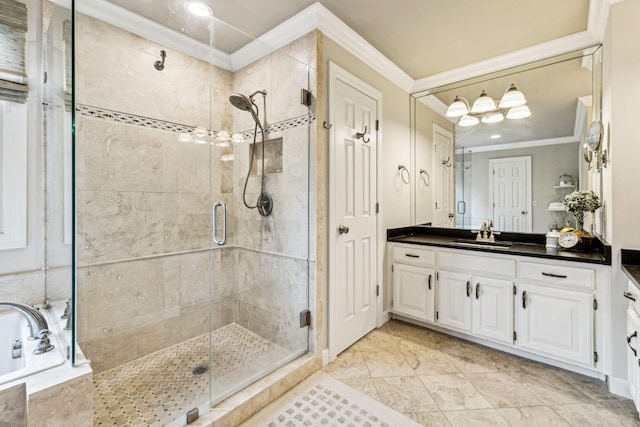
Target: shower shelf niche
273 157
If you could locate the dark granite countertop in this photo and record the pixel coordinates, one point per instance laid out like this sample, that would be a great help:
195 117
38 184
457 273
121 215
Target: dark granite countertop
523 244
630 260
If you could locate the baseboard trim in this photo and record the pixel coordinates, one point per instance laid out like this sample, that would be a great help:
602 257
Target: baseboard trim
325 357
619 386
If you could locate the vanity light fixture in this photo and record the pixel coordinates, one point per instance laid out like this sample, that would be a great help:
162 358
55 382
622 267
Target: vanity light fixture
198 8
511 105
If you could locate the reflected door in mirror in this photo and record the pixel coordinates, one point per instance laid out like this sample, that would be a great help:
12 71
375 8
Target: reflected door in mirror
510 189
443 177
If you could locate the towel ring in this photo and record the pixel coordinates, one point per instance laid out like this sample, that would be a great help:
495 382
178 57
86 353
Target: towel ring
424 177
402 170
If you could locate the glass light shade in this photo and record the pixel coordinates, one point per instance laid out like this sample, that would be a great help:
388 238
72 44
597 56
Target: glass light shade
483 104
468 121
519 112
459 107
200 131
185 137
223 135
512 98
237 138
198 8
201 140
493 118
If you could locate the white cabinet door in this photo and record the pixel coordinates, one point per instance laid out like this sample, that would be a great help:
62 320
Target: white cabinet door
493 309
633 369
414 291
556 322
454 300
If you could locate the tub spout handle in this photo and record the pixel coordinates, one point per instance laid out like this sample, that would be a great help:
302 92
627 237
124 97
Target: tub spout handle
44 345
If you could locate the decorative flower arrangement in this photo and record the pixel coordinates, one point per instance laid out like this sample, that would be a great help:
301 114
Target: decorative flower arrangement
580 202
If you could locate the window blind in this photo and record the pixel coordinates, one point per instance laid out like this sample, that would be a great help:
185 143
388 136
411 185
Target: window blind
13 32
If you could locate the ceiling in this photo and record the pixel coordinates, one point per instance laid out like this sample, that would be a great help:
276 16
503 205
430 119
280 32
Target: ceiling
422 37
425 40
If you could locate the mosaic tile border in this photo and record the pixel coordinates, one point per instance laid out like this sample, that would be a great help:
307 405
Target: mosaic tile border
148 122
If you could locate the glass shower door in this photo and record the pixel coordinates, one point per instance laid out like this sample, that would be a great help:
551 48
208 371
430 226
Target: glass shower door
260 166
143 213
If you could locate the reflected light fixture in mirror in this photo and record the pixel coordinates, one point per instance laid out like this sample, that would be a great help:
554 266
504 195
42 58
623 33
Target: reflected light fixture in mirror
512 104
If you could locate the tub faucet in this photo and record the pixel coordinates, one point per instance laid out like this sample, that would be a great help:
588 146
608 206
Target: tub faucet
37 323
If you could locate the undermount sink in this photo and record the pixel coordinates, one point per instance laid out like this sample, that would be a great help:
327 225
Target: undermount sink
482 243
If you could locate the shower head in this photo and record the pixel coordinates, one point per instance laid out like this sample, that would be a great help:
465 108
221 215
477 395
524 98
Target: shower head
241 102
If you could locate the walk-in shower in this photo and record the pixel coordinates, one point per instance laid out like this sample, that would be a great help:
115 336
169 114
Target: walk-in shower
159 301
264 204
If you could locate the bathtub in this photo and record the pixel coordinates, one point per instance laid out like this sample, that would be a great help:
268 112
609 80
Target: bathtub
14 326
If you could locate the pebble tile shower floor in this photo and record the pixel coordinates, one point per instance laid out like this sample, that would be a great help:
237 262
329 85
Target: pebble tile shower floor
160 387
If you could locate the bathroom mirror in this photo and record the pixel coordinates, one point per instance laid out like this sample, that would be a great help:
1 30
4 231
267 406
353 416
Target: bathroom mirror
509 171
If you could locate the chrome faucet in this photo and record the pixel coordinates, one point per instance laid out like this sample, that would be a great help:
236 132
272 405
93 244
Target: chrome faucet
38 325
486 232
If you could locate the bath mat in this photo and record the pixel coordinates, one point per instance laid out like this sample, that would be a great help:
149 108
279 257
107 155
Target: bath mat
321 400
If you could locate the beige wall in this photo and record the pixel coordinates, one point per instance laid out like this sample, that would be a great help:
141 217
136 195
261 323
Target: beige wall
620 117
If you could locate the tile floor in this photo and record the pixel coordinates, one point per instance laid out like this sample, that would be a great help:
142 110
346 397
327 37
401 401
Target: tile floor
438 380
158 389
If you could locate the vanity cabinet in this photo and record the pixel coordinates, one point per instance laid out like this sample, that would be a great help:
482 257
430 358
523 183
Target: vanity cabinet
546 309
414 282
482 306
556 322
414 291
633 361
454 300
556 311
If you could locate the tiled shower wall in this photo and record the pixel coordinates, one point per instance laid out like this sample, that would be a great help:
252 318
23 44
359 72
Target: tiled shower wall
144 199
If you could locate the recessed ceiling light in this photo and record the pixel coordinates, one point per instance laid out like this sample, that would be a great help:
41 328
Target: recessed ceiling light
198 8
496 136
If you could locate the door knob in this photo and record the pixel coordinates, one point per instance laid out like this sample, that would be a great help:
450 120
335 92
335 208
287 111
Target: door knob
523 212
343 229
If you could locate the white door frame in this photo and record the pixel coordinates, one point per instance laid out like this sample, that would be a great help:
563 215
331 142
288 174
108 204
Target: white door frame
338 73
450 175
527 160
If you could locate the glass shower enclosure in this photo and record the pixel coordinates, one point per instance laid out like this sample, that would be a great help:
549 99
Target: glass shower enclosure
186 291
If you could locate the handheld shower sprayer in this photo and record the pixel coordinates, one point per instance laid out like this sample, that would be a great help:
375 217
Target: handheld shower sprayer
264 204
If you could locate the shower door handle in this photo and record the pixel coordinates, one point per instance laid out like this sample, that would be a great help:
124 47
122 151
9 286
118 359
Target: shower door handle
217 205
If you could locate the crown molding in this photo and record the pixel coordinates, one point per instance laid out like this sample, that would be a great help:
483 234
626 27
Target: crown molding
342 34
525 144
538 52
318 17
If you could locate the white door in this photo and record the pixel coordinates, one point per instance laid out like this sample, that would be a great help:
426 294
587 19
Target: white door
454 300
510 190
493 309
414 292
353 226
556 322
443 177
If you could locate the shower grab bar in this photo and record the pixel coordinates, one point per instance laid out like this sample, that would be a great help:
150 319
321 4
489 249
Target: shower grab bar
215 223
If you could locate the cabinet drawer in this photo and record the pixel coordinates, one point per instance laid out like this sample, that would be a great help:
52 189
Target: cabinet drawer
477 264
558 275
413 255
